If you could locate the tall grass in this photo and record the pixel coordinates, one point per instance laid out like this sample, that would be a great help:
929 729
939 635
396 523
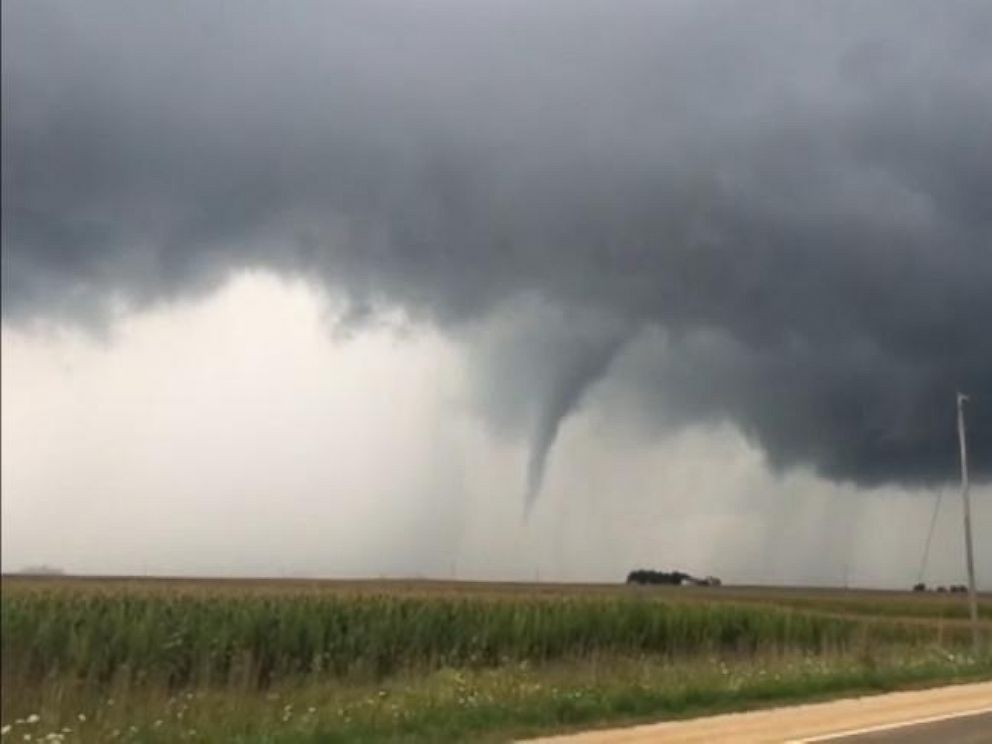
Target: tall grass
252 639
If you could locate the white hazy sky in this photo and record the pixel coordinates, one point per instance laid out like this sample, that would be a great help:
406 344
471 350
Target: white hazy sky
245 434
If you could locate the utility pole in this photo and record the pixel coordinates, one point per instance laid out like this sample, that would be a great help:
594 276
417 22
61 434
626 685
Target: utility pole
969 551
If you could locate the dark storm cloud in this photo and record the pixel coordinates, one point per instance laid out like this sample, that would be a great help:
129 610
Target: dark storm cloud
777 214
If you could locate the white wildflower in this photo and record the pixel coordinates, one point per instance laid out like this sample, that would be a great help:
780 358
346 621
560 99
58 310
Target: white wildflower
5 730
33 718
82 717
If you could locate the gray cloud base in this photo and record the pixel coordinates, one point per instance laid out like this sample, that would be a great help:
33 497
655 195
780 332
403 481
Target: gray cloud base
776 215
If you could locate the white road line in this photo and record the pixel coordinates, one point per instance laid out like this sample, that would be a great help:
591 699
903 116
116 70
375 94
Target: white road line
891 726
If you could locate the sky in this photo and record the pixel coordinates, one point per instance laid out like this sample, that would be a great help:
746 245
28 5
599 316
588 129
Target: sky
496 290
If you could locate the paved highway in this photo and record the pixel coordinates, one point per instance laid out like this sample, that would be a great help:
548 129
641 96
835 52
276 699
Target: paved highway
958 714
966 729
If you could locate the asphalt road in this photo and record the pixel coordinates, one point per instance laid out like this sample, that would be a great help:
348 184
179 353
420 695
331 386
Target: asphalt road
956 714
967 729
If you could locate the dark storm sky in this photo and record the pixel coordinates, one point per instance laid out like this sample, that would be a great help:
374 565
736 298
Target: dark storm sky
777 214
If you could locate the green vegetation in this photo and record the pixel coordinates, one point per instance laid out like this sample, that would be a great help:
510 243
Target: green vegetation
932 606
327 662
208 640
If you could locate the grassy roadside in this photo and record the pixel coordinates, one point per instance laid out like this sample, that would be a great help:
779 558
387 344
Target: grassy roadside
467 705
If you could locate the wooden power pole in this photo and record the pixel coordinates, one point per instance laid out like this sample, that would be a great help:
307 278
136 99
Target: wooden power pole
969 550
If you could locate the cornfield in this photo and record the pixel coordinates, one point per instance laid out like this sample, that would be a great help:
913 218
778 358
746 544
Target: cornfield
252 638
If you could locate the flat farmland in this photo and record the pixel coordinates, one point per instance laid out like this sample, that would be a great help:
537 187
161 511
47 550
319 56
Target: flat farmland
930 604
165 659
